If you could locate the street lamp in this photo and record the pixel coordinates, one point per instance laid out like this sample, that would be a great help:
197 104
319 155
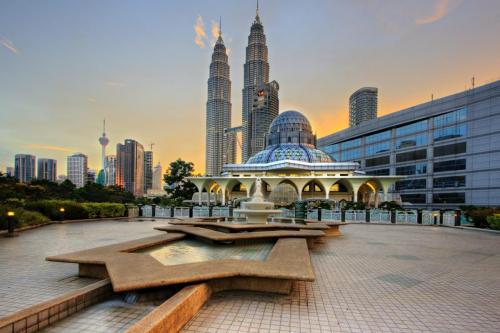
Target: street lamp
11 224
61 210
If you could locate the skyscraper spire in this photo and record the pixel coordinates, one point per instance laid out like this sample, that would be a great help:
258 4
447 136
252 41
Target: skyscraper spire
220 26
257 17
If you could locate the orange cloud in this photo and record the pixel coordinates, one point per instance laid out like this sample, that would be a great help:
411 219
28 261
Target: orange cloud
199 30
8 45
440 10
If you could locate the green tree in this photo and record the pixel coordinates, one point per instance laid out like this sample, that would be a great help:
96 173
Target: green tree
178 187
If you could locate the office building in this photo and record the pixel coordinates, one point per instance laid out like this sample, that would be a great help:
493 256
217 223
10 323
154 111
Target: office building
77 169
148 170
9 171
24 167
130 167
363 105
218 111
447 148
265 109
47 169
256 76
91 176
110 171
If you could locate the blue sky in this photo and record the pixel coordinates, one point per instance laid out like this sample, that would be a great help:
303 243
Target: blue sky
66 65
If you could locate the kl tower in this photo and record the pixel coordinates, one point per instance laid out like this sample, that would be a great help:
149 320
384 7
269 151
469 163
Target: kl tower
103 140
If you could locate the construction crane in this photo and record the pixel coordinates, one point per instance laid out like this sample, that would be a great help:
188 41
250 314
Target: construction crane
151 146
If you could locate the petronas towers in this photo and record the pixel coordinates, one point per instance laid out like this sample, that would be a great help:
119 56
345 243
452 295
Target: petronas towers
219 147
260 102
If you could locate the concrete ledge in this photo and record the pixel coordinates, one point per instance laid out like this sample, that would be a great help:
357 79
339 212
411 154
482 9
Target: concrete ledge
43 314
278 286
174 313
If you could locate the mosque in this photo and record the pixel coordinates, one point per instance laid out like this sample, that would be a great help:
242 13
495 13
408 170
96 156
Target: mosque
292 168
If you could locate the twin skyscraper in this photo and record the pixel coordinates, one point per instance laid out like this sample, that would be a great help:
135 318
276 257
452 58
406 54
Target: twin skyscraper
260 102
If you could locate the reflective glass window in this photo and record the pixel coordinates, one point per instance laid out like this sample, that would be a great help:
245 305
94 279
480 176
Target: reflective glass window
378 137
349 155
450 118
454 148
412 128
452 197
449 165
412 155
411 184
350 144
451 132
412 141
378 172
454 181
416 169
377 148
413 198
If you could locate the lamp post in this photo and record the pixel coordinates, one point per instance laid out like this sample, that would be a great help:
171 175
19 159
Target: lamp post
61 211
11 224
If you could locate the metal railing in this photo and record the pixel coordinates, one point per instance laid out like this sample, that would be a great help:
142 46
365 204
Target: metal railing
380 216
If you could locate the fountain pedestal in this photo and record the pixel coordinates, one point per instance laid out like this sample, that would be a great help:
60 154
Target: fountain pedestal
257 210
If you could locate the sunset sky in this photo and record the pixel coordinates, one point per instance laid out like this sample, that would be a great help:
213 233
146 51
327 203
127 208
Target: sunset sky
143 65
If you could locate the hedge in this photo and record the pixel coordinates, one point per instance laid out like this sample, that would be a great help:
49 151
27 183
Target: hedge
22 217
100 210
75 210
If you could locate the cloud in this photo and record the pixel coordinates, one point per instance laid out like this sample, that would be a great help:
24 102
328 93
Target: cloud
215 30
48 147
8 45
200 33
441 9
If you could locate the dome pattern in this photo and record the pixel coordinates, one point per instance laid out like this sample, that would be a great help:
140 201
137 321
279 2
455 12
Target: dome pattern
294 152
290 121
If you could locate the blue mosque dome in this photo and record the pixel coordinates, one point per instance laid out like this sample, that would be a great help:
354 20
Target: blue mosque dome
290 137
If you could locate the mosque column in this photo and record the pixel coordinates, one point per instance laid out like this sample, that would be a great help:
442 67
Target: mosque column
300 183
355 184
327 183
200 184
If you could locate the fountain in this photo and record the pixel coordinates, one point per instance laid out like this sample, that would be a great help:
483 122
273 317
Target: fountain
257 209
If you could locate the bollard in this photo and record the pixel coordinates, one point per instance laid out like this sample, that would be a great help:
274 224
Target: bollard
458 217
140 210
393 216
172 211
153 210
210 211
441 214
419 216
367 215
11 224
231 214
191 212
342 215
319 214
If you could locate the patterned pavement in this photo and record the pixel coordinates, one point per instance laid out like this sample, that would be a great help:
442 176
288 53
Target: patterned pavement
378 278
375 278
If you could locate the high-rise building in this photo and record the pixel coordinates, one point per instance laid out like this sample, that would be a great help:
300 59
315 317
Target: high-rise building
130 167
91 176
363 105
47 169
148 170
103 141
218 110
110 170
265 109
157 178
24 167
77 165
256 73
9 171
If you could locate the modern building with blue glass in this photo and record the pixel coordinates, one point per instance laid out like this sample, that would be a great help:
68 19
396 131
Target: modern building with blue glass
448 149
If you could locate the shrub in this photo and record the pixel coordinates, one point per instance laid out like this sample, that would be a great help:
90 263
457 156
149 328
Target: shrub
50 208
494 221
101 210
23 217
479 216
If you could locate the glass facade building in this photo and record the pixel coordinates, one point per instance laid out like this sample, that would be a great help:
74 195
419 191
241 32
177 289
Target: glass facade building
447 148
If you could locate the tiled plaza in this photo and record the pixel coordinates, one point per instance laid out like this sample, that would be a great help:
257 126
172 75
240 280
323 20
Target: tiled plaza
374 278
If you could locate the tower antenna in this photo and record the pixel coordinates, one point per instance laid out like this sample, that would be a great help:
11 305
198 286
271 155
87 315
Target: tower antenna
220 25
257 10
151 146
104 126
